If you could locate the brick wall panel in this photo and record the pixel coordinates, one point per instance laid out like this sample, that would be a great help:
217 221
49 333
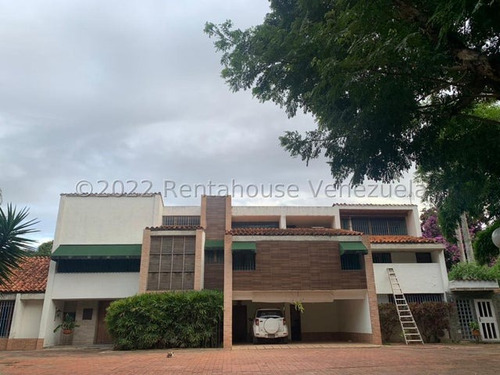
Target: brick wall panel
285 265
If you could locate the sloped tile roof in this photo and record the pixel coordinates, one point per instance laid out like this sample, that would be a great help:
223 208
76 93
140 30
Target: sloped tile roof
175 227
30 277
400 239
292 232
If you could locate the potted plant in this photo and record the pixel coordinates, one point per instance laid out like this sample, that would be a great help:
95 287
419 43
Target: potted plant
474 328
67 326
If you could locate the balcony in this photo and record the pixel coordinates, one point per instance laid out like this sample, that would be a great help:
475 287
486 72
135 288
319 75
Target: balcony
413 277
95 285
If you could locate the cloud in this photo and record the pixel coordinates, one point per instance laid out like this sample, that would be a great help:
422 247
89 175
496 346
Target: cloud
119 90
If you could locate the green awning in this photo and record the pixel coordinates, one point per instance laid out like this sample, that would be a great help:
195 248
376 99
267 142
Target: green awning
96 251
352 248
240 246
214 244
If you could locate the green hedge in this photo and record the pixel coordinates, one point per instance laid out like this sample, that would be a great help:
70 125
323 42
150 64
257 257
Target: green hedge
432 319
190 319
473 271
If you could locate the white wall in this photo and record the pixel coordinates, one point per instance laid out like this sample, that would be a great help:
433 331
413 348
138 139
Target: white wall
413 278
354 316
106 219
319 317
72 286
32 314
26 316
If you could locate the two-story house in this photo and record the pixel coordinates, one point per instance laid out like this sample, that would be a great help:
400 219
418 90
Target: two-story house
330 260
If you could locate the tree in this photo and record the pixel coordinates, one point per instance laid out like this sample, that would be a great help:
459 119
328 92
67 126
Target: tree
456 177
485 250
389 82
14 225
431 229
44 249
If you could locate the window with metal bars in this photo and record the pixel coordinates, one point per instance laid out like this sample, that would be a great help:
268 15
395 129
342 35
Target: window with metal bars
376 225
214 256
243 260
465 317
420 297
423 257
181 220
255 224
6 312
351 262
382 257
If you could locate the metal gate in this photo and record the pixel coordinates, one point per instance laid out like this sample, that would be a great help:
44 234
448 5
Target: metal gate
487 321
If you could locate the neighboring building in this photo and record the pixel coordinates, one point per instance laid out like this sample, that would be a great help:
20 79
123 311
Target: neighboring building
108 247
21 302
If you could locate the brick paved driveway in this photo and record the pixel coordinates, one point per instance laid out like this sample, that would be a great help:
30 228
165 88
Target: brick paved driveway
313 359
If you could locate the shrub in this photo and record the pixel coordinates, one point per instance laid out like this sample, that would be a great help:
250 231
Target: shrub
389 321
432 319
472 271
166 320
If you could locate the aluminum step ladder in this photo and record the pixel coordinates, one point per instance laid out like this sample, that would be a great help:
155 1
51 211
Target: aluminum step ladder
411 333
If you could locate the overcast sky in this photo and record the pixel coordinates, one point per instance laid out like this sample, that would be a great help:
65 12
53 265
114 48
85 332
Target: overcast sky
131 90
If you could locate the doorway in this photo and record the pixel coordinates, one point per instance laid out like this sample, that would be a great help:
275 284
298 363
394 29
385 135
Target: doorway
102 334
486 318
240 323
295 324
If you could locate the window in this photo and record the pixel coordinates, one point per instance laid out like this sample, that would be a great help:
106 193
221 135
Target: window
351 262
214 256
98 265
381 257
87 314
181 220
243 260
6 311
375 225
255 224
420 298
423 257
171 263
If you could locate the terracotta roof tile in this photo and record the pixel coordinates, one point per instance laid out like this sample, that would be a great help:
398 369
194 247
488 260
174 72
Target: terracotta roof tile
400 239
175 227
30 277
292 232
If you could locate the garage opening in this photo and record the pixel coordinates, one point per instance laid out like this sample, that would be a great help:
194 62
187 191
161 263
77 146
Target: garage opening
343 320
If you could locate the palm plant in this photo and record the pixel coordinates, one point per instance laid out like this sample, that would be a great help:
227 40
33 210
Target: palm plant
13 245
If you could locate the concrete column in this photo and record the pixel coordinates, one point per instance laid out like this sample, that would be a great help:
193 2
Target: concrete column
372 294
17 316
146 248
228 293
199 260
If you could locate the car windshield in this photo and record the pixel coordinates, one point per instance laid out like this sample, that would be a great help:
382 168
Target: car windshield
269 313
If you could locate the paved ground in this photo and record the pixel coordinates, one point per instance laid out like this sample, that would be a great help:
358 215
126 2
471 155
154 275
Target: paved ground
292 359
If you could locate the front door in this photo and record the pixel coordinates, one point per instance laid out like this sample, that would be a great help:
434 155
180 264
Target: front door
487 321
295 324
102 335
240 323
